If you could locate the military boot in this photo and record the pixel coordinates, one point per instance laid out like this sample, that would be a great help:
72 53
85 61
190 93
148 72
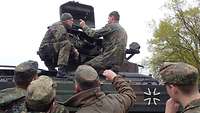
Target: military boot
61 71
51 69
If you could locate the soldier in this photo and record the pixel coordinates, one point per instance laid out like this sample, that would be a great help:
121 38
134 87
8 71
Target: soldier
12 99
41 97
114 43
57 46
91 99
181 81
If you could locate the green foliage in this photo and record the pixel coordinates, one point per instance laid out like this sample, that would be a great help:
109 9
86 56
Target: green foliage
177 38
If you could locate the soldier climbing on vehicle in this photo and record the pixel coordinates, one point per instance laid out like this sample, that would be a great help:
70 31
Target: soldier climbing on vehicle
59 46
108 53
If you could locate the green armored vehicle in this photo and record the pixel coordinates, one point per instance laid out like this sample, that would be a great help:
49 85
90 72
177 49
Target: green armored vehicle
151 96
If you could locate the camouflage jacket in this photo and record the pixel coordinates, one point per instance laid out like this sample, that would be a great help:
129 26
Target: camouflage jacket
58 33
114 42
95 101
192 107
60 109
12 100
55 33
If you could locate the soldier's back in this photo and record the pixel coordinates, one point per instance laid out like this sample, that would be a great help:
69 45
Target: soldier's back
12 100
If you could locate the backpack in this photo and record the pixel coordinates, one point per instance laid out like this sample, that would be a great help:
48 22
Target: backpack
46 51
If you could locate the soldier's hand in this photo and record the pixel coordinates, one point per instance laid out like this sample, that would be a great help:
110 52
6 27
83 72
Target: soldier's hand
76 53
82 23
109 74
171 106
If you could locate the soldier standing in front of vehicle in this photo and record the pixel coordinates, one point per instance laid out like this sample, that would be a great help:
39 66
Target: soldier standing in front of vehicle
114 43
41 97
91 99
12 100
181 81
57 40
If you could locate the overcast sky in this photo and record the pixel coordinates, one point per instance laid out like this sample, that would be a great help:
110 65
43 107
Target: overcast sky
23 24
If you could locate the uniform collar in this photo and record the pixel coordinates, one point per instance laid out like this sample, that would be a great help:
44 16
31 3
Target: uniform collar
193 104
85 98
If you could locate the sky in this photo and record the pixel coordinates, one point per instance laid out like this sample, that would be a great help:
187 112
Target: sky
23 24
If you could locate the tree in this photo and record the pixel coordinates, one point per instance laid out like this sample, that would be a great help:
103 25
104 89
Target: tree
177 38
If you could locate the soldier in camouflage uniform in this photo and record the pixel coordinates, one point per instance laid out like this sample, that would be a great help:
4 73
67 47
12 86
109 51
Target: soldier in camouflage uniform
58 42
12 100
114 43
91 99
181 81
41 97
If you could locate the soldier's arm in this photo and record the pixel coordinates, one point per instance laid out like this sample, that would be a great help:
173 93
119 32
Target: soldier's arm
75 40
95 33
59 32
126 93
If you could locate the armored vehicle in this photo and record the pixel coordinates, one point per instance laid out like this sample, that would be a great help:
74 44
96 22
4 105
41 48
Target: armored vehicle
151 95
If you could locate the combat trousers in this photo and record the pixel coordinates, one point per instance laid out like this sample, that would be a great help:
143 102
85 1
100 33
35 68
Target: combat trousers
63 49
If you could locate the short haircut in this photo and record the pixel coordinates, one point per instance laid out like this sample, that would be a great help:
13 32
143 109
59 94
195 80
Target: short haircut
24 78
115 14
88 85
187 89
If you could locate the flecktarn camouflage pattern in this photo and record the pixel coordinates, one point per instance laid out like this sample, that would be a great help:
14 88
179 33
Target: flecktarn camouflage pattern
179 73
12 100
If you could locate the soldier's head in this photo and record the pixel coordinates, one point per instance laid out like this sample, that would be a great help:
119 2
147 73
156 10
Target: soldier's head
25 72
179 77
41 94
67 19
86 77
113 17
